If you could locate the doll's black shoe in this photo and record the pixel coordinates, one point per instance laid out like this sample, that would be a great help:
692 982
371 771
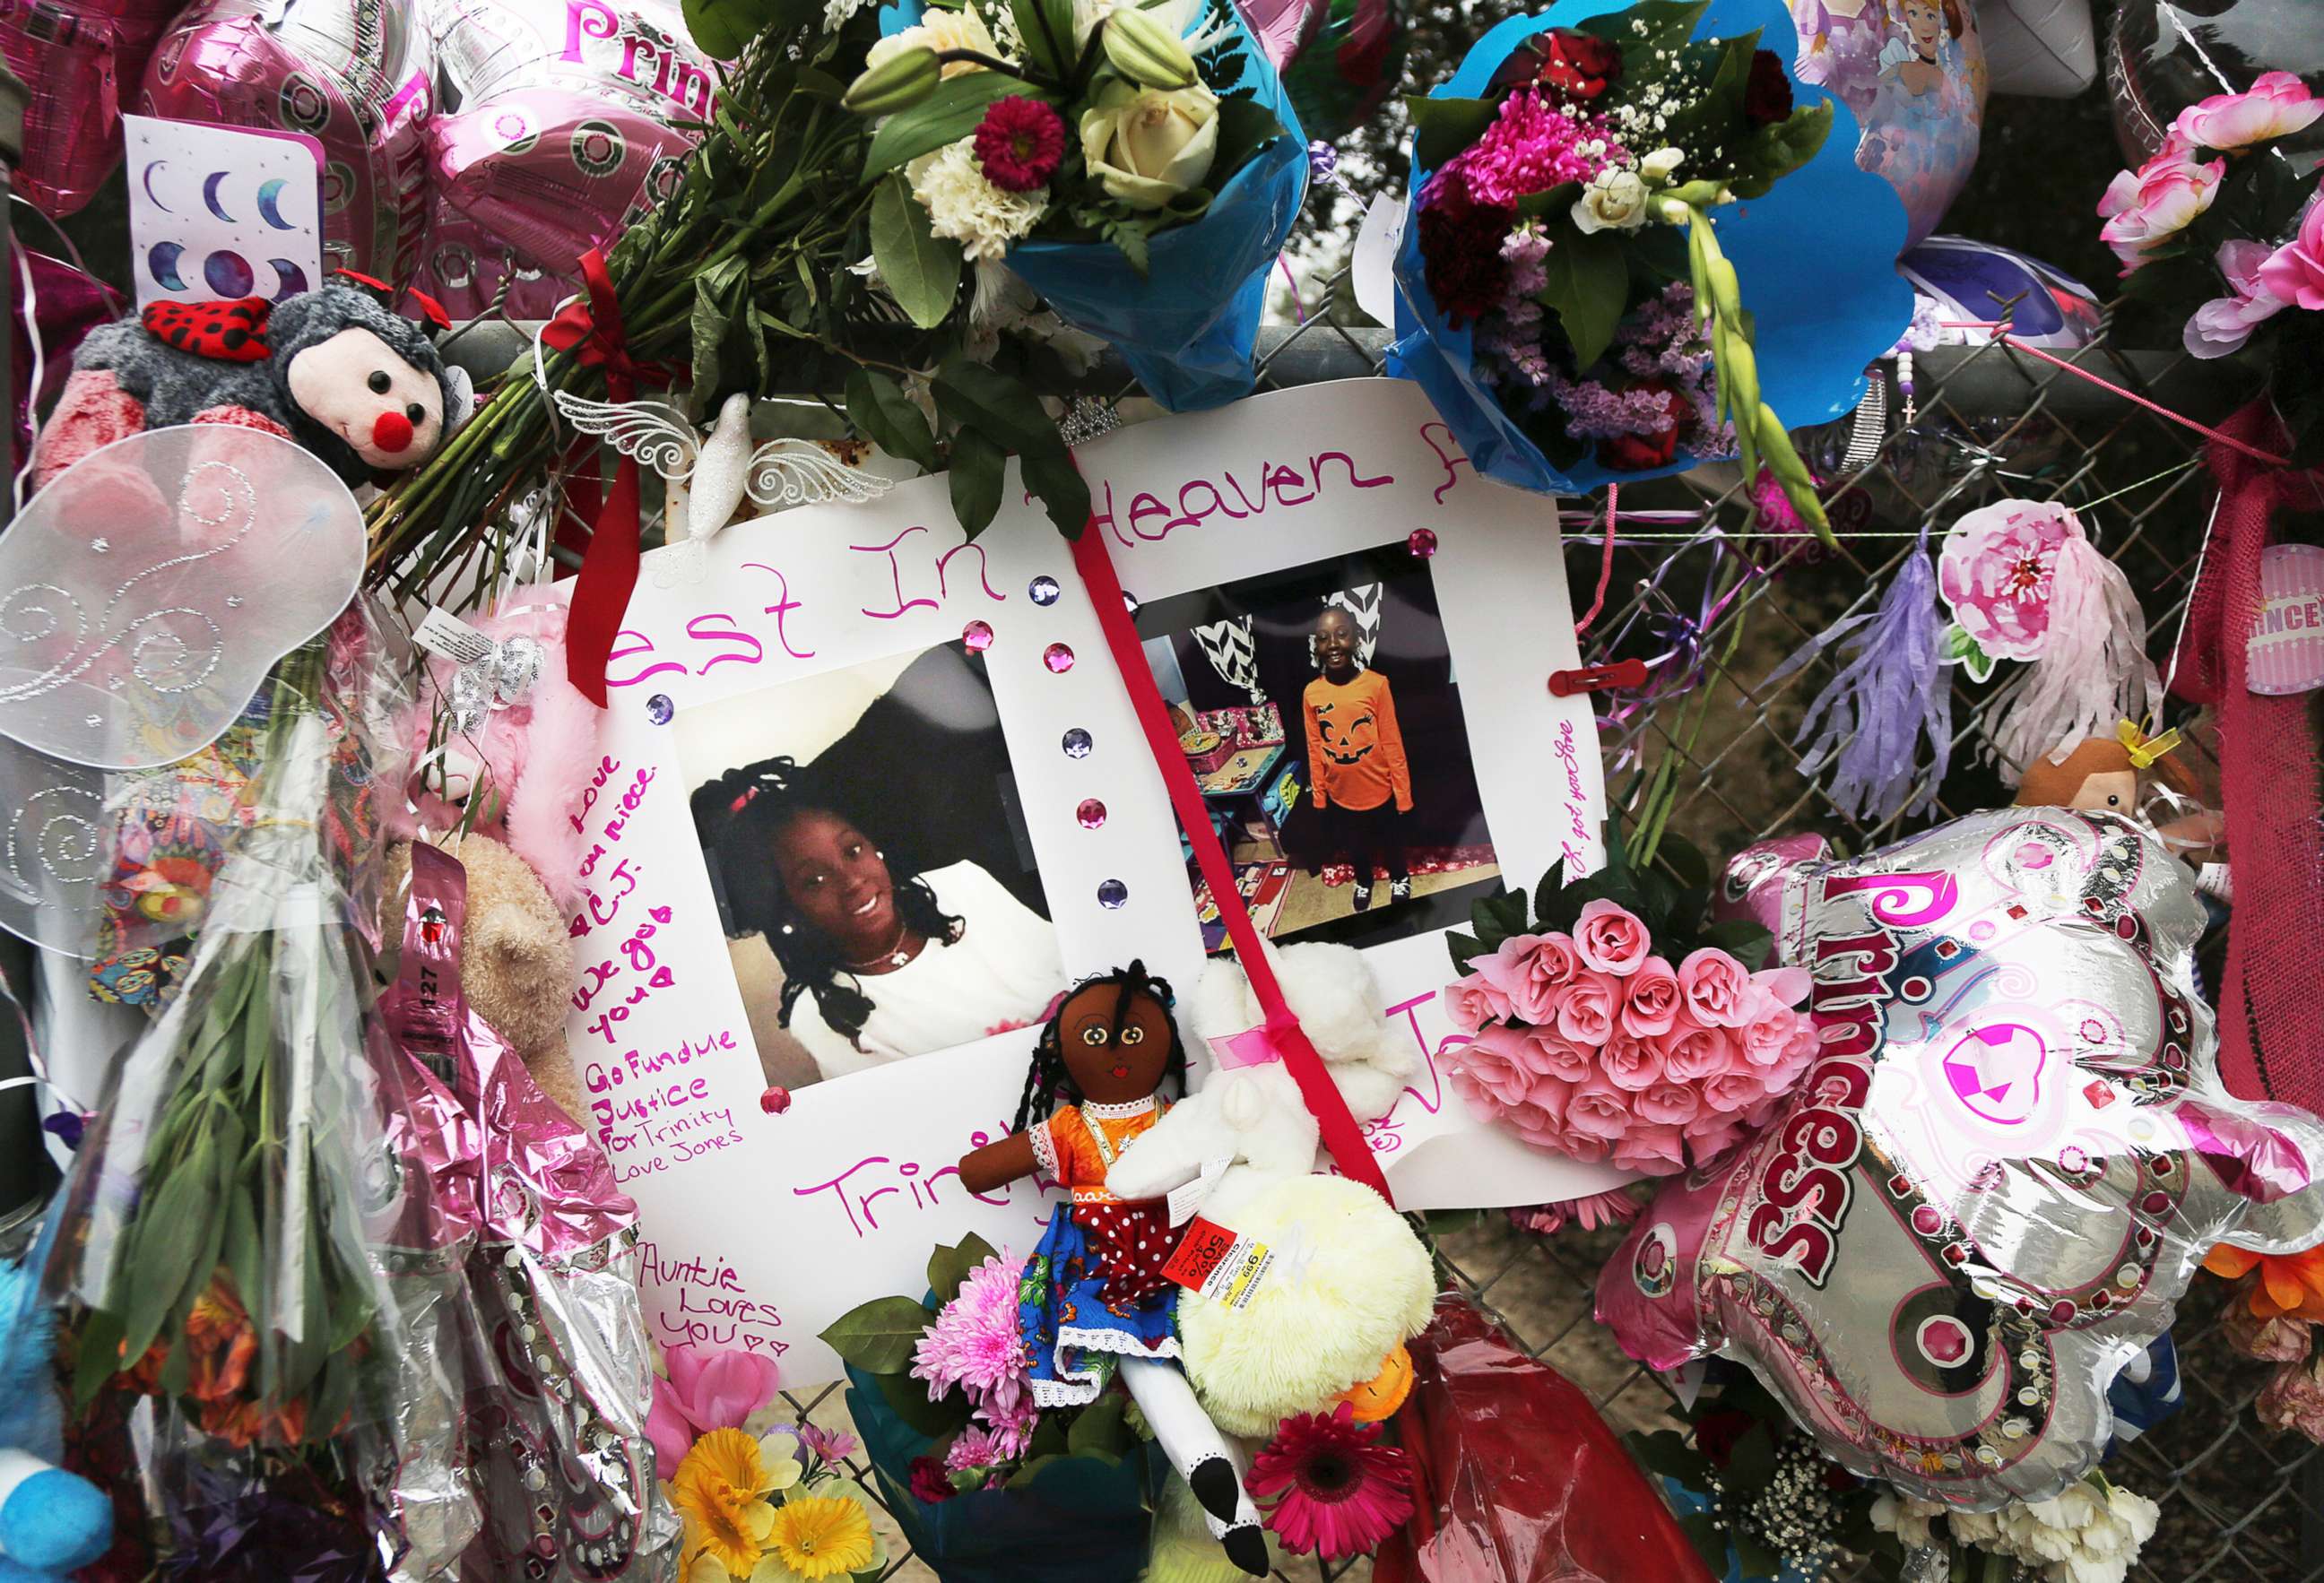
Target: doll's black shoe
1399 890
1363 896
1212 1480
1246 1546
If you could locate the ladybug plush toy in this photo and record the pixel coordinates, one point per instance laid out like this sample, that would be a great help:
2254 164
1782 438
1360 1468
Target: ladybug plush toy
331 369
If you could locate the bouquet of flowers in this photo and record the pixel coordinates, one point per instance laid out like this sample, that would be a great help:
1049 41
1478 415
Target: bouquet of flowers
2220 203
1608 1026
1139 166
1564 293
985 1484
232 1316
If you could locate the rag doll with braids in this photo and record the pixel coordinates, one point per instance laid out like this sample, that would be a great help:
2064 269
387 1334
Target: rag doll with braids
1094 1302
880 961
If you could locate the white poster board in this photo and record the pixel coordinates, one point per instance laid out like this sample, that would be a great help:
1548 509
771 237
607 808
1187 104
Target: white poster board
767 1216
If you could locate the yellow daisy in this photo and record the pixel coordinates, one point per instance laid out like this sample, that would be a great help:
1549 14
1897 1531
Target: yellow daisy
818 1536
721 1489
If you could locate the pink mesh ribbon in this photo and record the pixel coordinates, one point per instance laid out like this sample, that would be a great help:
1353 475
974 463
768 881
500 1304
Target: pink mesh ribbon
2271 1018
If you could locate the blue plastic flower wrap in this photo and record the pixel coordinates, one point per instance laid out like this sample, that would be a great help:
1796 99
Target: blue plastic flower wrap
1078 1521
1188 326
1816 257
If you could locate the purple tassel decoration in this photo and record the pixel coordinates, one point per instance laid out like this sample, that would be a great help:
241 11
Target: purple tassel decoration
1892 691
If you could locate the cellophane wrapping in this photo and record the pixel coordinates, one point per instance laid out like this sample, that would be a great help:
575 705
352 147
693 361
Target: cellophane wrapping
257 1250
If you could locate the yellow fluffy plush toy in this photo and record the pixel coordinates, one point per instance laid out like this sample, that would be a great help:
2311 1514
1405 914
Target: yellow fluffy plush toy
516 963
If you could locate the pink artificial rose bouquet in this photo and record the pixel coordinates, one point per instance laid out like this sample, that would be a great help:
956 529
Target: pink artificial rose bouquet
1584 1039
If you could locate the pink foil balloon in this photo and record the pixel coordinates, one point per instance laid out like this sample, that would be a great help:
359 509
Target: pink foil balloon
466 266
353 74
82 60
568 118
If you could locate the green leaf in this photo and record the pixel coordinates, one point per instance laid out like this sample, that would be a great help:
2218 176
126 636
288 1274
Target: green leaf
1465 949
1508 909
950 1267
878 407
1745 941
1046 48
723 27
1665 1452
1060 487
171 1231
945 116
1489 933
1710 1542
1097 1430
99 1356
1963 650
1667 24
921 270
1589 286
1752 1463
878 1337
1442 128
977 397
1558 201
714 290
1030 1470
1245 126
910 1399
1048 1438
1684 859
1546 894
1776 150
976 473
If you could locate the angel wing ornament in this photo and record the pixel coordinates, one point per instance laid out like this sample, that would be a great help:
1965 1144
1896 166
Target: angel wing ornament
709 475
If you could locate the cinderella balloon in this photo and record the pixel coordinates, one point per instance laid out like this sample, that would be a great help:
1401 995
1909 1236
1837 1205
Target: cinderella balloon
352 74
1913 72
1986 1196
82 59
571 118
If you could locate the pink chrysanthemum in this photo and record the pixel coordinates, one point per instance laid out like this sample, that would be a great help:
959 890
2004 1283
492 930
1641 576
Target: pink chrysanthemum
974 1343
1019 143
832 1445
1336 1488
1533 147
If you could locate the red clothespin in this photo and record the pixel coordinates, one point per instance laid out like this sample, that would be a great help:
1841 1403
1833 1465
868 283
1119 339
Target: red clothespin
1597 678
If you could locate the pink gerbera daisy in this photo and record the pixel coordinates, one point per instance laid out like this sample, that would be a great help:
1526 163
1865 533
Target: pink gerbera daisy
1019 143
1338 1490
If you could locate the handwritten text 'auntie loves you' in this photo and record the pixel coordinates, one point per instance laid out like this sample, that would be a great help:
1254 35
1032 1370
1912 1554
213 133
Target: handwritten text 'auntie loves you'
933 568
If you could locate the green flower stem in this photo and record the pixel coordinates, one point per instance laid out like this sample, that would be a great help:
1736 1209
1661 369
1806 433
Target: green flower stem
1759 432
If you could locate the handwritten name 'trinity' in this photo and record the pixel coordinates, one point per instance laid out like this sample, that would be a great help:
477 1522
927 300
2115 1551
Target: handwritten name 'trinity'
876 1176
1251 493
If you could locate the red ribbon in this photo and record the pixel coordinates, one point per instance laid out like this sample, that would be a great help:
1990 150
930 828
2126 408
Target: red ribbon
592 331
1341 1135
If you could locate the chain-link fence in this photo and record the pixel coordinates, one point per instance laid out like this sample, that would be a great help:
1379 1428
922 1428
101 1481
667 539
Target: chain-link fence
1714 610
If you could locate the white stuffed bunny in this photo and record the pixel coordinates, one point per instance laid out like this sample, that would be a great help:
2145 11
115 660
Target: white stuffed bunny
1249 1122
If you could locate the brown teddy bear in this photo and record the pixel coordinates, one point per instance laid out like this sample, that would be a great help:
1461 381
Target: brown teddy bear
516 963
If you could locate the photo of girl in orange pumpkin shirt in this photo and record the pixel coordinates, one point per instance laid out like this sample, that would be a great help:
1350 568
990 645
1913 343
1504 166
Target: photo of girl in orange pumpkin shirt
1355 754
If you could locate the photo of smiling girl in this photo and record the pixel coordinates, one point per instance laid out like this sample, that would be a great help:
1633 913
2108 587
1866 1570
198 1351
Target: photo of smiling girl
871 871
1361 781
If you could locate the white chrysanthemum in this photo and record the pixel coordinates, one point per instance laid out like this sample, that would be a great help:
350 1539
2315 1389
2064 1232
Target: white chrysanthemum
964 206
837 12
1894 1511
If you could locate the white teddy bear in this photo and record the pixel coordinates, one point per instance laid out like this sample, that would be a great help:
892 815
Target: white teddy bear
1250 1123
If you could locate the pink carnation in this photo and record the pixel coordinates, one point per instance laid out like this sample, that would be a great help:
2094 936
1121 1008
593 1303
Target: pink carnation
1651 999
1598 1109
1633 1065
1472 1002
1531 147
1529 969
1558 1057
1610 938
1586 1007
1715 987
1690 1054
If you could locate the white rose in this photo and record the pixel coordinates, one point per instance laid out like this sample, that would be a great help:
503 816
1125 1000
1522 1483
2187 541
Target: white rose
939 30
1656 167
1149 145
1615 200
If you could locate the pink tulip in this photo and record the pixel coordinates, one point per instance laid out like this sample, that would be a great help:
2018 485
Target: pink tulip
2278 104
705 1391
1610 938
2295 273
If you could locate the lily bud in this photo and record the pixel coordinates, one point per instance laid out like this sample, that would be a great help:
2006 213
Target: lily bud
1146 50
897 83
